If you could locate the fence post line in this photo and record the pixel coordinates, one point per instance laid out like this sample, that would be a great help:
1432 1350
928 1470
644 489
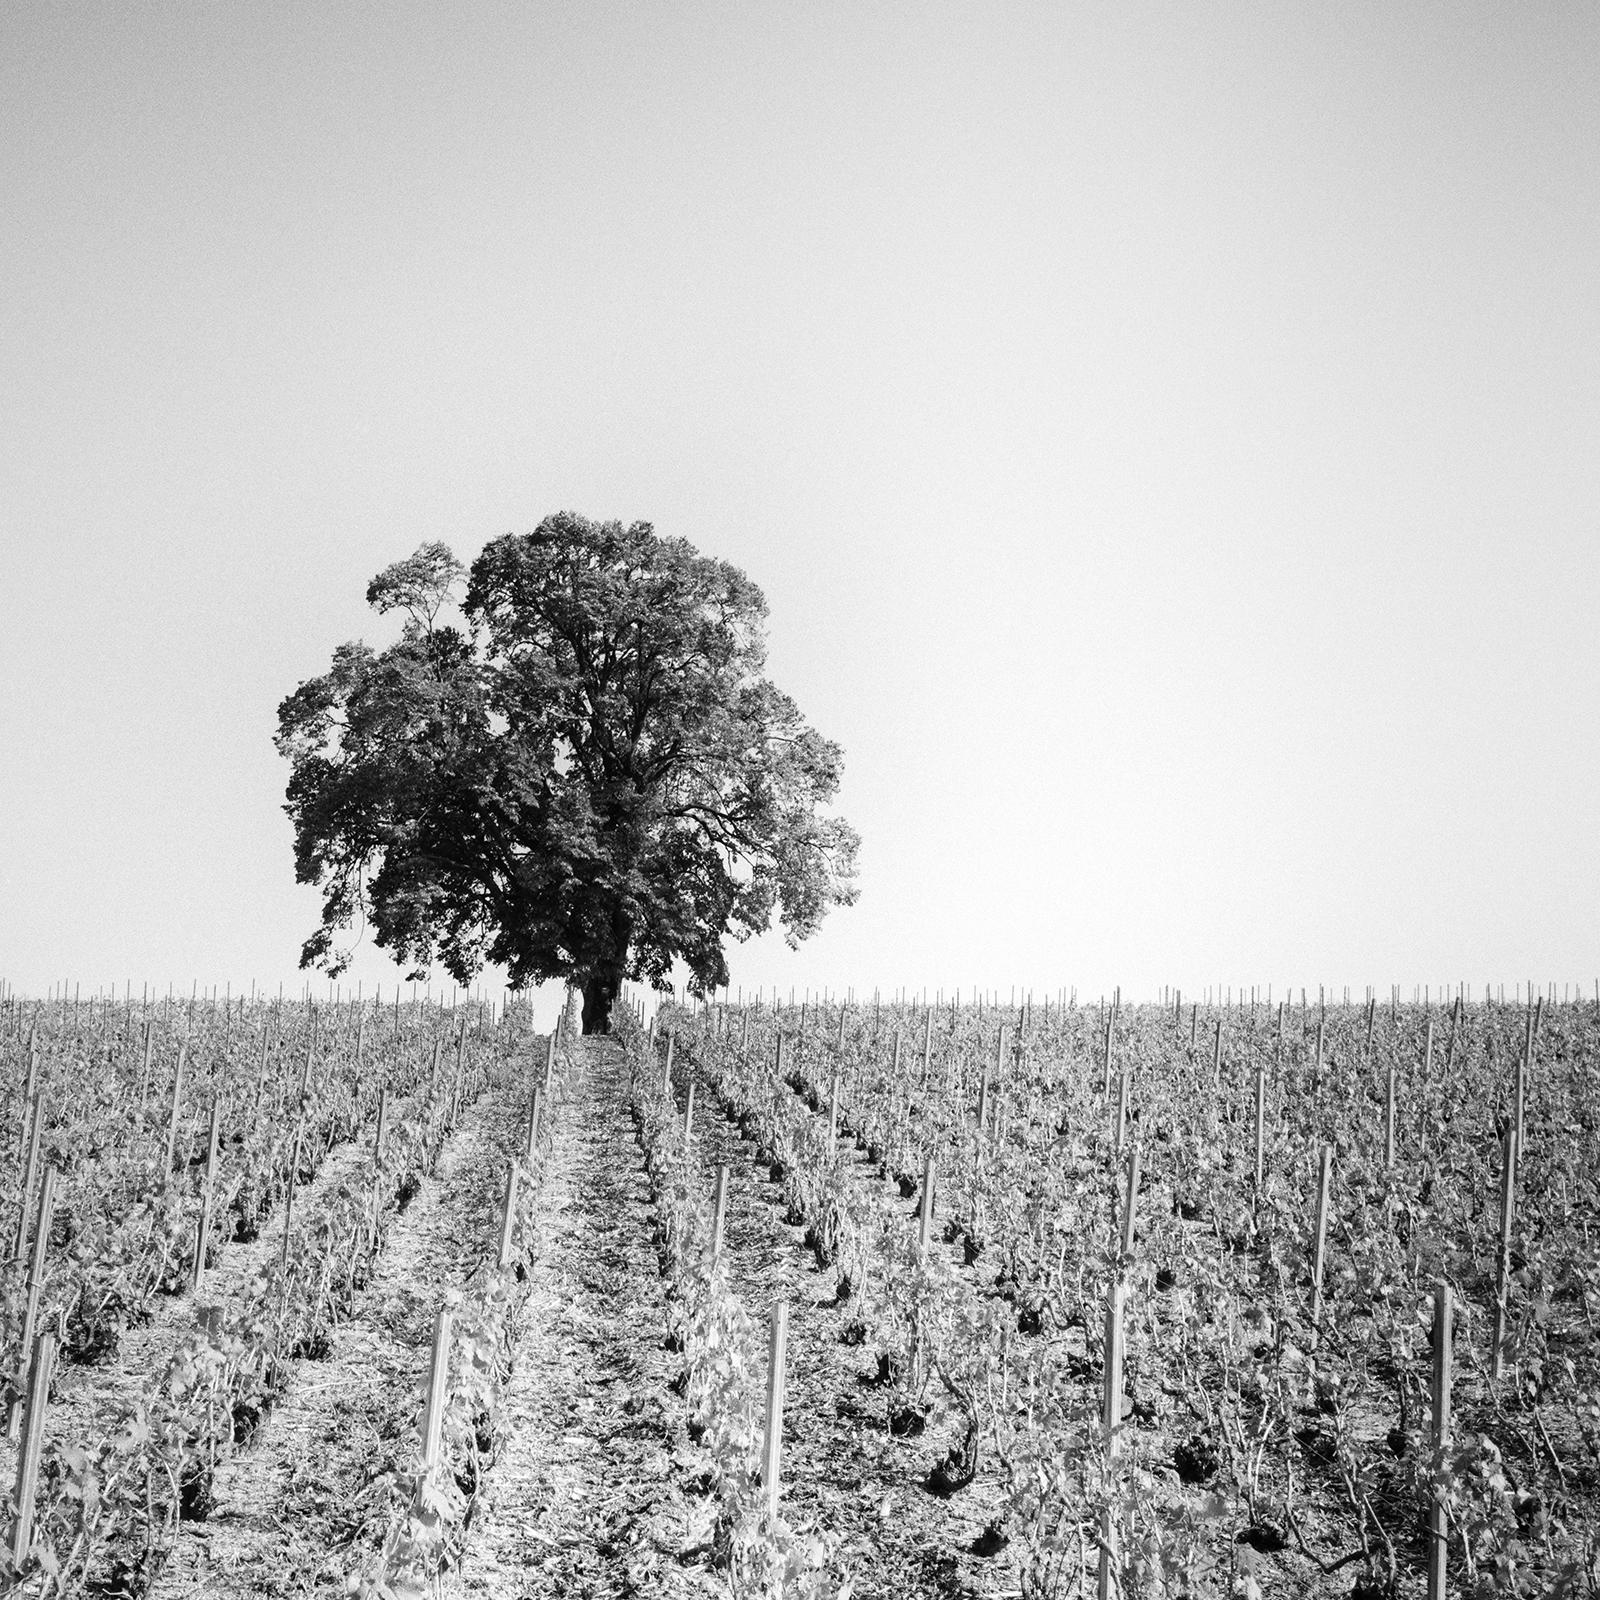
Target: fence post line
773 1442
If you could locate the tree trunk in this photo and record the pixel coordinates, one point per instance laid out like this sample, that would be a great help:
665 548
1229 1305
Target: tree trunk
599 993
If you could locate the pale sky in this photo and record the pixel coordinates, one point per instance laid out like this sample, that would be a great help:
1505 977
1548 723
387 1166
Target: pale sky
1168 438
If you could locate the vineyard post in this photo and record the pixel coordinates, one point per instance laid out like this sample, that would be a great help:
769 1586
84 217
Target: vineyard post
719 1211
1194 1025
455 1088
1122 1107
833 1115
838 1044
1131 1199
1509 1153
1111 1421
30 1316
1438 1522
533 1121
177 1099
30 1169
925 1222
144 1066
1520 1088
288 1221
550 1059
383 1124
1422 1097
1216 1056
508 1215
1389 1120
773 1442
438 1386
40 1370
688 1119
927 1045
1105 1087
1320 1248
261 1076
1261 1122
203 1230
666 1073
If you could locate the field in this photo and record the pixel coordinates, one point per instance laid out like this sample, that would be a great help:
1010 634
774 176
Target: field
1134 1300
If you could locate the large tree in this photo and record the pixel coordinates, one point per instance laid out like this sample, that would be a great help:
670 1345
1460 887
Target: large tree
588 778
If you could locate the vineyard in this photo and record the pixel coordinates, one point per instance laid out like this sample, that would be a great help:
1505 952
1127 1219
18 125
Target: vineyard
828 1300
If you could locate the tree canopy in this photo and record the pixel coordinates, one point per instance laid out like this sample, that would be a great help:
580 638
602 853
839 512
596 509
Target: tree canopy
588 777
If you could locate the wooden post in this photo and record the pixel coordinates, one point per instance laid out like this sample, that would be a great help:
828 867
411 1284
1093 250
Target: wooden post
30 1316
1388 1120
927 1045
30 1169
1422 1098
1261 1122
1216 1055
508 1215
533 1122
1320 1248
144 1066
438 1393
773 1444
1111 1422
1130 1200
177 1100
41 1368
1105 1088
1520 1090
203 1230
666 1076
833 1115
688 1118
288 1194
719 1211
925 1228
1508 1211
1438 1523
550 1060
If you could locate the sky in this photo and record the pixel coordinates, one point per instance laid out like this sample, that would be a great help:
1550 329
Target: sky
1165 436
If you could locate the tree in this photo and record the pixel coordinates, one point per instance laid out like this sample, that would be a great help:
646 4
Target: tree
587 779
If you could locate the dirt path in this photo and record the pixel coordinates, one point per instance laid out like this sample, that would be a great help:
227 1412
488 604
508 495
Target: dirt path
296 1507
843 1471
585 1498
